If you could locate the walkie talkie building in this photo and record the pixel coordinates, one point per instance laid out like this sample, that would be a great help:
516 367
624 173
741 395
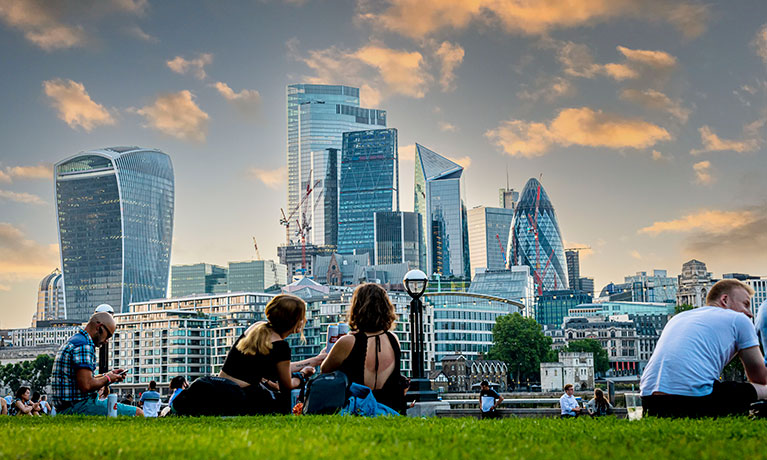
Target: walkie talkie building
114 208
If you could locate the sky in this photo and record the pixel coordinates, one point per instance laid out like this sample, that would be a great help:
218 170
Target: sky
645 119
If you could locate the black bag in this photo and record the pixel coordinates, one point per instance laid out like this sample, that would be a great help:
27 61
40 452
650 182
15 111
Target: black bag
326 394
211 396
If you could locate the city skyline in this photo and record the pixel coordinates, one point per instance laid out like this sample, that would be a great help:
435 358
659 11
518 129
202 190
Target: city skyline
647 124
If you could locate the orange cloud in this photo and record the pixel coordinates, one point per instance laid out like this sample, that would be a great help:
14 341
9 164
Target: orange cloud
548 89
450 57
703 173
577 126
21 197
464 161
658 156
422 18
656 100
22 258
42 171
713 143
657 59
447 127
577 60
711 221
177 115
400 70
75 106
247 101
197 66
272 178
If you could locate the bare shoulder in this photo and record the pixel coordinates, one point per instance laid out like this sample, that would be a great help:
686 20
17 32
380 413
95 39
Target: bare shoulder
346 341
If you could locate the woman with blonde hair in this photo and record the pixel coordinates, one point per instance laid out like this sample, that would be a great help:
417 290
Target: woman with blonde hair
259 355
370 355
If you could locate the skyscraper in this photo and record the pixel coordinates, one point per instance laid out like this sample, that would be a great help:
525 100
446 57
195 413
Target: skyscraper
318 115
438 200
573 268
199 278
397 238
114 208
369 183
50 298
536 241
488 237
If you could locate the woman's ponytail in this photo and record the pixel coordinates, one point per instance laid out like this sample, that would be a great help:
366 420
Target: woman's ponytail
257 341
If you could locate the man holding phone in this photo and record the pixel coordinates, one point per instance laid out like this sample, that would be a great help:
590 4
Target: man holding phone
75 387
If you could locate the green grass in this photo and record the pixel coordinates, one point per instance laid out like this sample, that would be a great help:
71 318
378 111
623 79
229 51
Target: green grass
347 438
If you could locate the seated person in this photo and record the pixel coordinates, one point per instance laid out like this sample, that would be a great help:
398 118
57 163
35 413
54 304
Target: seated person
259 354
75 387
3 407
22 404
150 400
568 404
682 377
44 404
599 405
177 385
370 354
489 400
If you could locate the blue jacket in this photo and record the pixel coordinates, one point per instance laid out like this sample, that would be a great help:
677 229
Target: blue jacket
362 402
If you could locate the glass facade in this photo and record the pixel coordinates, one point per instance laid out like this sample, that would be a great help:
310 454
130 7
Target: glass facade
621 308
438 200
115 216
553 306
50 298
658 287
536 241
256 275
514 284
318 115
197 279
397 238
488 230
369 183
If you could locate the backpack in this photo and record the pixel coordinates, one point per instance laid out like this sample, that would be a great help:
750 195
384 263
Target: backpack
326 394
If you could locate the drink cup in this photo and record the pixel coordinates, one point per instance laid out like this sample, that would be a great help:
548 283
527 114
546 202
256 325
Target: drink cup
112 405
343 329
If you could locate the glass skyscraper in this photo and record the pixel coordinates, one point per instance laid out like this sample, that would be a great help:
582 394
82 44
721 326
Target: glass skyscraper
114 208
438 200
318 115
536 241
488 237
199 278
369 183
397 238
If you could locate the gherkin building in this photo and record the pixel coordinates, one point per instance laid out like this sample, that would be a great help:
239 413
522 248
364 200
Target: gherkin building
535 239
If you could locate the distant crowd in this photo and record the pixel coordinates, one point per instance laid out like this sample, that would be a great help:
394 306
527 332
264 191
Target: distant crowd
361 372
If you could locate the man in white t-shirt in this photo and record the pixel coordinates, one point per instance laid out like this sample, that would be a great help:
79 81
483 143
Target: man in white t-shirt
682 378
568 405
151 400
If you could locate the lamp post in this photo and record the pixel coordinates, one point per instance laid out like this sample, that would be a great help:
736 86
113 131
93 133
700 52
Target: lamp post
104 349
420 388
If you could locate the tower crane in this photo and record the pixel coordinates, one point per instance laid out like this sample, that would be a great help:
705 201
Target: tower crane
255 245
302 220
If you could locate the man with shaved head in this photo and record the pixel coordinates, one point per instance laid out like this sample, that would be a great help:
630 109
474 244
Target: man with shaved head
75 387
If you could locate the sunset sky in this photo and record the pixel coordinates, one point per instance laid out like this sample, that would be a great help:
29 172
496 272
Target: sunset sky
647 119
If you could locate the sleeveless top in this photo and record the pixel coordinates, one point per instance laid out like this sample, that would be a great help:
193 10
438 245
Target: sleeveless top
392 393
252 368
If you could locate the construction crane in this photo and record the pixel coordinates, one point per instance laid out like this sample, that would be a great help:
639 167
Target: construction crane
302 220
255 245
578 248
503 251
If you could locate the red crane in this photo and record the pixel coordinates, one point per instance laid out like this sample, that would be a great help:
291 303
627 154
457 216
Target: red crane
503 251
301 227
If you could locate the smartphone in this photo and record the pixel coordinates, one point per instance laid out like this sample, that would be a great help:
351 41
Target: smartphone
125 371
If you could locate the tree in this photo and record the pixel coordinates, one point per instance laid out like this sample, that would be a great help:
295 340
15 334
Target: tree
520 343
35 374
601 360
680 308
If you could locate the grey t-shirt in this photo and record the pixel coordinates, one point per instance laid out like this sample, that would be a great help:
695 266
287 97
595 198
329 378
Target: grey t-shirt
693 350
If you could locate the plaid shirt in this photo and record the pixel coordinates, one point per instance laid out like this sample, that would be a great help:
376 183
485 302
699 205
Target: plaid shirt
79 352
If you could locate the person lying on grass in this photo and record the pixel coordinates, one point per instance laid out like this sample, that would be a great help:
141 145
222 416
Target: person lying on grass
682 378
260 353
75 387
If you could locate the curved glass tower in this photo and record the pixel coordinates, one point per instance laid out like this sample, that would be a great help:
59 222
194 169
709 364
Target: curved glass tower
114 208
535 239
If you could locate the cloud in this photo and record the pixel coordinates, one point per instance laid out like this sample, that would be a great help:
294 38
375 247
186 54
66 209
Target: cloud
247 100
75 106
635 254
196 66
177 115
22 258
575 126
464 161
709 220
576 60
658 156
725 235
377 70
703 173
656 100
759 43
548 89
272 178
450 57
138 32
447 127
21 197
713 143
41 171
50 25
422 18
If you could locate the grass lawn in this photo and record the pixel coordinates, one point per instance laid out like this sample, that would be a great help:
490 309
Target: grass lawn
347 438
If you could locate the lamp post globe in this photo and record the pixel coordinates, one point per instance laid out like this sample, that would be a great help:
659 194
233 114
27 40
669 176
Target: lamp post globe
415 282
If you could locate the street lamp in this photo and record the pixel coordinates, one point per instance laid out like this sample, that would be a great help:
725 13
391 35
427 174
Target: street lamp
420 388
104 348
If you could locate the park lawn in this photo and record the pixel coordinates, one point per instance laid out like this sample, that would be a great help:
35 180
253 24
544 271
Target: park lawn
348 438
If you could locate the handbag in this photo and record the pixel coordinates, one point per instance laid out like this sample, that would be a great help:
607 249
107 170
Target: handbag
326 393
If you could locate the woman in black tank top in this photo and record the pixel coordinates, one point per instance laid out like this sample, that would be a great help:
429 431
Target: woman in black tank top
370 355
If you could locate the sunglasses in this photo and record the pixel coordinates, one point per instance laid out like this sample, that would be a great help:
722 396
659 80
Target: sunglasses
109 334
